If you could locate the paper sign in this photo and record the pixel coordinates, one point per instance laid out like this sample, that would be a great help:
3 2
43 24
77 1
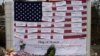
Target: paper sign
62 8
32 24
59 30
45 24
59 19
76 13
76 25
46 30
20 23
20 30
47 9
31 30
76 8
76 19
45 18
76 2
32 36
75 41
47 13
60 13
58 36
47 4
19 35
71 47
60 24
77 30
61 3
45 36
31 42
29 49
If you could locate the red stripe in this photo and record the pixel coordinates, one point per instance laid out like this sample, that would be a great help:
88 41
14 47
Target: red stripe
84 24
84 29
75 36
69 8
69 1
69 13
38 37
25 36
70 37
84 1
14 24
51 37
26 31
69 19
84 18
69 25
53 8
84 7
69 31
84 12
14 30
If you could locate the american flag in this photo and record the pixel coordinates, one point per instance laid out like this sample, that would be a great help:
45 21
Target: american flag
50 20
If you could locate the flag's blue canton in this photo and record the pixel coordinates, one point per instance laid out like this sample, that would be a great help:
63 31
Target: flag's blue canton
28 11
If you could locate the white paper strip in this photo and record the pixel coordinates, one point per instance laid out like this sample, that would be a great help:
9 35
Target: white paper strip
46 24
59 30
76 13
77 30
61 3
19 35
59 19
46 30
60 13
49 19
32 24
47 4
76 25
47 13
76 19
32 36
31 30
58 36
60 24
20 23
45 36
77 8
76 2
20 30
62 8
47 9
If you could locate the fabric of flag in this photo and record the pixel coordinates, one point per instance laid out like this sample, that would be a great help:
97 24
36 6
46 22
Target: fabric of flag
28 11
47 20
